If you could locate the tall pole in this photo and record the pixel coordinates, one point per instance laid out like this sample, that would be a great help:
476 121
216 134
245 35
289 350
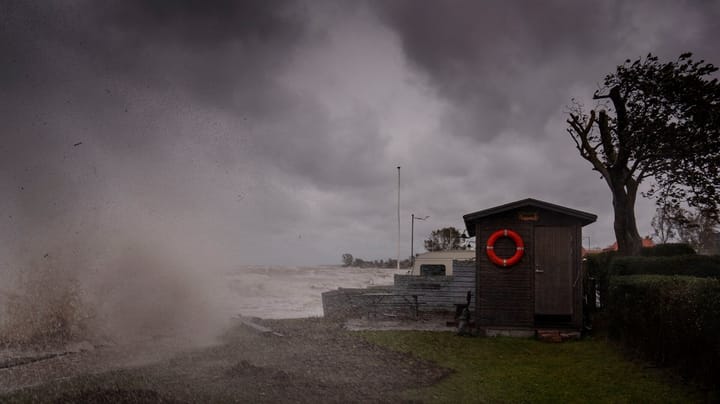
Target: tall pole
413 218
412 236
398 220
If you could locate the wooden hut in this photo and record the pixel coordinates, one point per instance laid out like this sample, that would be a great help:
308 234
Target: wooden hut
529 272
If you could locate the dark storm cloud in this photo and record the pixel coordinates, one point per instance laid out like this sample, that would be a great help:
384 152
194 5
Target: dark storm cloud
201 22
127 69
269 117
143 111
120 73
92 93
507 64
212 49
491 57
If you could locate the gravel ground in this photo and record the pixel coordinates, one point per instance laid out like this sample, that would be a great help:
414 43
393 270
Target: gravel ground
313 361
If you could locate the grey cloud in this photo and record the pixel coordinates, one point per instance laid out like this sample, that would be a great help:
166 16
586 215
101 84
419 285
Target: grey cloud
492 58
216 50
171 104
127 68
208 23
332 154
198 112
118 74
117 79
506 64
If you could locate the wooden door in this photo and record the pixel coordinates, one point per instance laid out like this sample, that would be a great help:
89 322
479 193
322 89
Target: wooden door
553 270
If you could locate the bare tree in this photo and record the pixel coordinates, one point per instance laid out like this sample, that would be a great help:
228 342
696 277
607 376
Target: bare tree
664 124
665 223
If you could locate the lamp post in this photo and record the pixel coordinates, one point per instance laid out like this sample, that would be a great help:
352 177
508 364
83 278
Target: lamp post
398 220
412 237
465 240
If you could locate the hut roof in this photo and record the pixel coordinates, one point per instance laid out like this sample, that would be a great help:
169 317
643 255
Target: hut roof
470 219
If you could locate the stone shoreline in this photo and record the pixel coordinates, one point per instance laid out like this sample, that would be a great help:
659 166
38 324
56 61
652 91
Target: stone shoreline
299 360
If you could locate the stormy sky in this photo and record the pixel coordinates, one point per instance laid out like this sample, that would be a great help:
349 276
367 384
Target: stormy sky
268 132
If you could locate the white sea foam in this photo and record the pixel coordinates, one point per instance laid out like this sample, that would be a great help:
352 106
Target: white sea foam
293 292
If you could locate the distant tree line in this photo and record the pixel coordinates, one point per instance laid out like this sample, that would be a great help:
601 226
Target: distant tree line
446 239
349 261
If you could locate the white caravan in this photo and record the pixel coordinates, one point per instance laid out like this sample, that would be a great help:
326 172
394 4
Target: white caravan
439 263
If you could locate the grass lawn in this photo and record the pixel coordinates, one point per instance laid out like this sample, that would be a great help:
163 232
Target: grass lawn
524 370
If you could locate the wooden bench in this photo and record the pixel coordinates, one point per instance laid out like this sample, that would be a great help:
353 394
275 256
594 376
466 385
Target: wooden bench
388 299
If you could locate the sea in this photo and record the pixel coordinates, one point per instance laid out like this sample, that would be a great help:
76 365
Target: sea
277 292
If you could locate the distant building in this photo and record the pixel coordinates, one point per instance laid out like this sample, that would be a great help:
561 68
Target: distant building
595 250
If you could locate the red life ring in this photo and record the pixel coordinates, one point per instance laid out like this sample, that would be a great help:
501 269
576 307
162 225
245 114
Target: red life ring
505 262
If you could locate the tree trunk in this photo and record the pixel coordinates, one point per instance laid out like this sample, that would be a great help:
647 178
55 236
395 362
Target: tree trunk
626 233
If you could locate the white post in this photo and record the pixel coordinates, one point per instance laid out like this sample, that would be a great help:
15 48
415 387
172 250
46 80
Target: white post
398 221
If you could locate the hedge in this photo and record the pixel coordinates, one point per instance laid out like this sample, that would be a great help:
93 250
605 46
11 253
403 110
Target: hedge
668 250
703 266
671 320
599 265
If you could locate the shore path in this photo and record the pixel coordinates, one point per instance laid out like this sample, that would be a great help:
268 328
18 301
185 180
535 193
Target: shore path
299 360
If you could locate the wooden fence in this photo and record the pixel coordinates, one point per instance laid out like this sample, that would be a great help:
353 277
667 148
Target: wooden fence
440 293
409 295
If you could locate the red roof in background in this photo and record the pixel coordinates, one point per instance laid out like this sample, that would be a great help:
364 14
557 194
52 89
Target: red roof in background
646 242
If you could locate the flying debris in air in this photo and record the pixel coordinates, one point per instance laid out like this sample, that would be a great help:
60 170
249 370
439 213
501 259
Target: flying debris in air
77 144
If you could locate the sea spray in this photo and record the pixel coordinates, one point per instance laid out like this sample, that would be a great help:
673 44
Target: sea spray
43 306
137 291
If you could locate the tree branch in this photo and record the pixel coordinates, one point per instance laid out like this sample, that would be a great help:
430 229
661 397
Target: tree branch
597 96
581 138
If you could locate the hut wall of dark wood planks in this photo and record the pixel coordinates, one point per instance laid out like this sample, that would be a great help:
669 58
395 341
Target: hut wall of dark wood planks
544 288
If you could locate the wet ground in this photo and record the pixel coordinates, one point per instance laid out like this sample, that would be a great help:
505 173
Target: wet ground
301 360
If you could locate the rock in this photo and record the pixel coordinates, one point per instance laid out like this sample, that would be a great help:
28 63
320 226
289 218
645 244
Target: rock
573 335
82 346
549 336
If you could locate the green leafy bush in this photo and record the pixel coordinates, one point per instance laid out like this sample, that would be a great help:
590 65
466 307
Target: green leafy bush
662 259
703 266
672 320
